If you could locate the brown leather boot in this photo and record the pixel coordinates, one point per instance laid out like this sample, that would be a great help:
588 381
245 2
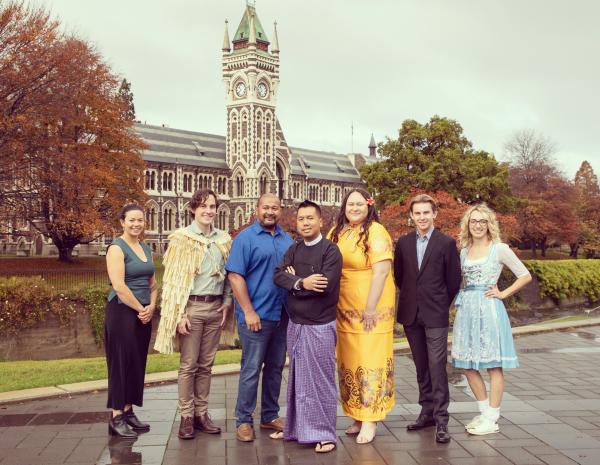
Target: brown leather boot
245 432
205 424
186 428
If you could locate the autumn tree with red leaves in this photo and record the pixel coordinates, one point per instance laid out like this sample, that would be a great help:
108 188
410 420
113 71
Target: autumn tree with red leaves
587 207
69 158
396 217
547 213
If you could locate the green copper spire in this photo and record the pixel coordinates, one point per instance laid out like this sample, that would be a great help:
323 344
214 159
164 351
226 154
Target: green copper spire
243 30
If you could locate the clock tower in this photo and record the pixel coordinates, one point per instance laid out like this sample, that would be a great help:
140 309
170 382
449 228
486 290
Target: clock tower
251 79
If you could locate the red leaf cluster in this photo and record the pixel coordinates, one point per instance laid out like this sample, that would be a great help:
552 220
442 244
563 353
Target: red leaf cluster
396 217
69 159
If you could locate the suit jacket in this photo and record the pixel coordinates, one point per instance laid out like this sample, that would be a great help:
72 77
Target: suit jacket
432 288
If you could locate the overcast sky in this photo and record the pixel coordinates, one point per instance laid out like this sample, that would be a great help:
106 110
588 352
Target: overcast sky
494 66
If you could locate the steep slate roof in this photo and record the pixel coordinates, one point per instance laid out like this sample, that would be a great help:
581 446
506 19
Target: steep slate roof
328 166
168 145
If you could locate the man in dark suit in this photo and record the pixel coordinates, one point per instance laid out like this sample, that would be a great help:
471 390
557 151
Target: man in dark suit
427 273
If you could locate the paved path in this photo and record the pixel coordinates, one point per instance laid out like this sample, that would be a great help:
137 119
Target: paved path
551 415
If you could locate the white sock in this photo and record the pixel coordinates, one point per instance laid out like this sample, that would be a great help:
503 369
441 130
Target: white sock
482 405
492 414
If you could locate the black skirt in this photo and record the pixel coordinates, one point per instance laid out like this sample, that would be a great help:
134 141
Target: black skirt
126 341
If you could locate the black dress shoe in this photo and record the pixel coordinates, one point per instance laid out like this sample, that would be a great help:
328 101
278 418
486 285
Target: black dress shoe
117 426
135 423
422 422
441 434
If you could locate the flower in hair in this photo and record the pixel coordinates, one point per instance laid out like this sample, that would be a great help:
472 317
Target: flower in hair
370 201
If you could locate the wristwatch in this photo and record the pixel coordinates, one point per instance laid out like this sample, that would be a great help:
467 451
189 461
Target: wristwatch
298 285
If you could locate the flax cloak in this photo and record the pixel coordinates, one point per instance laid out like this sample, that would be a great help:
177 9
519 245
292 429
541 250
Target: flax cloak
182 262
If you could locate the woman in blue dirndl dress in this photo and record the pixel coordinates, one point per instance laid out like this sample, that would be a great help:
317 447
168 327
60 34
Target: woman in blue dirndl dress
482 336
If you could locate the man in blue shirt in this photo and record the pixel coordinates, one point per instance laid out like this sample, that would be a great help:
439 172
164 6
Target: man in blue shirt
261 315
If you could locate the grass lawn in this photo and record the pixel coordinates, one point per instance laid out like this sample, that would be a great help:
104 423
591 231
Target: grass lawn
31 374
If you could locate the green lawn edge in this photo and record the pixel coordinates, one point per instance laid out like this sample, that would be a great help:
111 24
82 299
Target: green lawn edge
27 374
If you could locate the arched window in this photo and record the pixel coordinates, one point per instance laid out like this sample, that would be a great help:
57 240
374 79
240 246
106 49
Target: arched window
263 184
239 219
239 186
187 215
147 179
168 218
151 217
223 218
167 182
281 184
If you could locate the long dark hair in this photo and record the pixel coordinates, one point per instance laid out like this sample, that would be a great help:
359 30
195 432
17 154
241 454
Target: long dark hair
342 221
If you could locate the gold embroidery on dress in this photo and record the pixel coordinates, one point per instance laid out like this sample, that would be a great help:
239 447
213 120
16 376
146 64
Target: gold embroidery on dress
368 388
383 314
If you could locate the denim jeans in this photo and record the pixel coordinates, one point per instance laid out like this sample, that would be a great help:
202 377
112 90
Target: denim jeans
265 346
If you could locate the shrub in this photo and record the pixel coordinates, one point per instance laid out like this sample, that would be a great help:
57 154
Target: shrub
564 279
24 302
94 300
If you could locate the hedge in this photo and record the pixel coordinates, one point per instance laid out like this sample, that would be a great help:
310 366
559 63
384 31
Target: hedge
566 279
24 302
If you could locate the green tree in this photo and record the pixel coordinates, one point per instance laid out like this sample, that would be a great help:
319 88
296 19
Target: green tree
126 95
436 156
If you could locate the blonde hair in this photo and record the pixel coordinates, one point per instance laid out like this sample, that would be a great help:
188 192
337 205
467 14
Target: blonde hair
493 231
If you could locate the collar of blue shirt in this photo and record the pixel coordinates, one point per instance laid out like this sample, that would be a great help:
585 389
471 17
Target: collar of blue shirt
428 235
257 228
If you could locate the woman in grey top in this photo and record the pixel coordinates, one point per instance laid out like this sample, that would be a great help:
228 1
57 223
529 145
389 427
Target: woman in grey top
127 326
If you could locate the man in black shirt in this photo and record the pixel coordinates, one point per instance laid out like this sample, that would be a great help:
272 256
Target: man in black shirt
310 270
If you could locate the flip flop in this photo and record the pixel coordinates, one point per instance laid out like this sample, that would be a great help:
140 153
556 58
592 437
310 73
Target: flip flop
276 435
325 447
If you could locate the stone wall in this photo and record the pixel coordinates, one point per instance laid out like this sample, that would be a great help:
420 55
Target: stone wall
530 294
50 340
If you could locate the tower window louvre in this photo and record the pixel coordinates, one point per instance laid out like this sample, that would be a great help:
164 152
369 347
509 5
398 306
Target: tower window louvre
338 166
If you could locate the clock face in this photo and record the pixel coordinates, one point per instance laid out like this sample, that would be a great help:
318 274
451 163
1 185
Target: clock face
262 89
240 89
